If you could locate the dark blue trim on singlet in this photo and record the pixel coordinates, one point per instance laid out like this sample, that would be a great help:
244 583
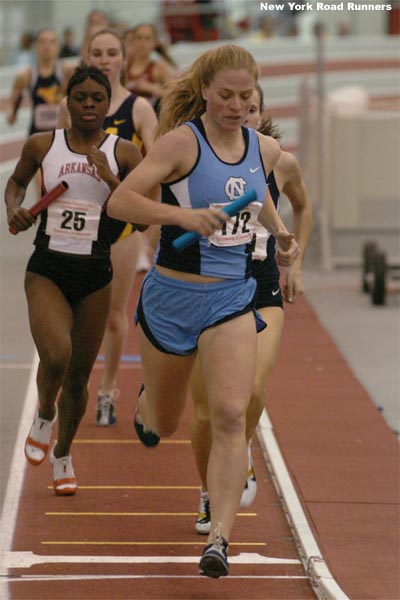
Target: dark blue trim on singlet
212 180
121 123
185 261
245 132
268 269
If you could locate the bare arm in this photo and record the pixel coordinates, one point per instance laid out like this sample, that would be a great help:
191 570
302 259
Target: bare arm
162 73
21 82
32 155
294 187
164 160
128 157
269 217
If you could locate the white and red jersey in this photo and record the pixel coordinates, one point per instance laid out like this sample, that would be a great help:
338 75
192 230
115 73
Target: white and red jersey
76 223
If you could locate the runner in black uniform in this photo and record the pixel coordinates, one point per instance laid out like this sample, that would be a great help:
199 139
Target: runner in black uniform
286 177
46 82
134 119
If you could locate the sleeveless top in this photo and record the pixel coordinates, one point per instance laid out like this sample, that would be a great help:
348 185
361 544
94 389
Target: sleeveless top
45 95
121 122
76 223
265 243
147 75
213 182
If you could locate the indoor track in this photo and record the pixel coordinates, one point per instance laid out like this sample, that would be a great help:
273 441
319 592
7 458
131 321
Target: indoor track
129 531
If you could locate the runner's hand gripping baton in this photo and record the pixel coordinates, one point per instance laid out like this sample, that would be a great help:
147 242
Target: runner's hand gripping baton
45 201
190 237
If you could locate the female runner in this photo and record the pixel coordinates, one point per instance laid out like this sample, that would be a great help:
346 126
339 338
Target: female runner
68 277
201 300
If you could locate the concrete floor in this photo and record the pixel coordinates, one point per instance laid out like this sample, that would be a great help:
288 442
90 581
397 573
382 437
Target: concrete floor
368 336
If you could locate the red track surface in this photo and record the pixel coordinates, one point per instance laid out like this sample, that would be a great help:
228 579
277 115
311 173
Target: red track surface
341 455
116 513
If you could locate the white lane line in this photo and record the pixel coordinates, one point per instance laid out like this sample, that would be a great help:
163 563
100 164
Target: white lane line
320 577
26 560
40 578
17 470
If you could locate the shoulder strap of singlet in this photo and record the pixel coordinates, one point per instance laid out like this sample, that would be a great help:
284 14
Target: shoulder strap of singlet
200 126
273 188
34 76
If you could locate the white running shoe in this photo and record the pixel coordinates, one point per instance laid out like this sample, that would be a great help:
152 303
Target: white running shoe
203 521
105 415
64 481
250 487
38 441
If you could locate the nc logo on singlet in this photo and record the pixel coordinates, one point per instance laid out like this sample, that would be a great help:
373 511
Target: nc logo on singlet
234 187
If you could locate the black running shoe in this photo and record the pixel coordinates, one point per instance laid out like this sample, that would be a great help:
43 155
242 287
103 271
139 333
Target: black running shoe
148 437
214 562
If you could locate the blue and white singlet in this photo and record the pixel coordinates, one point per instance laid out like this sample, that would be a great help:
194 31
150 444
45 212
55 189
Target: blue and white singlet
215 183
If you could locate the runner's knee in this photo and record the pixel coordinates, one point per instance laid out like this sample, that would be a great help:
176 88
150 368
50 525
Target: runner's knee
55 363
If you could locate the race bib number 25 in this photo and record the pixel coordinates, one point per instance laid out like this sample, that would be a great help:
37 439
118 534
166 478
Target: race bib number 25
75 219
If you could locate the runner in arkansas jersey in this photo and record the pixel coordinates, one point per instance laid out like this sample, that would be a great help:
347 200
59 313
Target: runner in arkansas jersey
76 223
68 276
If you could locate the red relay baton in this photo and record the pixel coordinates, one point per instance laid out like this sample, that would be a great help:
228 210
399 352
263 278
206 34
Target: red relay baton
45 201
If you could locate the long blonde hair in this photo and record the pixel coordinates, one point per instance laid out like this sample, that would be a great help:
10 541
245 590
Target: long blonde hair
184 100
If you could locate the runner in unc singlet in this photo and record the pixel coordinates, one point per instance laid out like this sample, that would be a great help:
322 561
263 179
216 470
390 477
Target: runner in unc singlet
202 299
214 183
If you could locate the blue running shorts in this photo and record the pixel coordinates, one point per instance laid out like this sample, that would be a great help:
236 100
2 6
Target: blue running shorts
174 313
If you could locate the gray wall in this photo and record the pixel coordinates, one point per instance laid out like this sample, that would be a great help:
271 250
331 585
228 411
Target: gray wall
17 16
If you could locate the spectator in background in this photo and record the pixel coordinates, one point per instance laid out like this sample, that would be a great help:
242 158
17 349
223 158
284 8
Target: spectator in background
67 48
266 30
190 20
25 56
208 15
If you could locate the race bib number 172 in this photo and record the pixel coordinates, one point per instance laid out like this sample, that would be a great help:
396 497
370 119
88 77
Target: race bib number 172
239 229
